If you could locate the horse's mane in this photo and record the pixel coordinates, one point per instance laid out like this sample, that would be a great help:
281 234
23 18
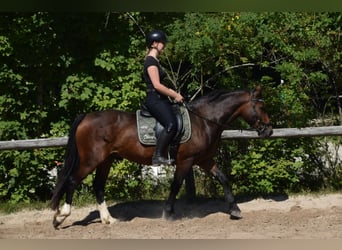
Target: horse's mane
215 96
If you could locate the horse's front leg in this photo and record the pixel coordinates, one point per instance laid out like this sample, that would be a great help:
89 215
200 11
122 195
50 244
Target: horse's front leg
99 189
234 210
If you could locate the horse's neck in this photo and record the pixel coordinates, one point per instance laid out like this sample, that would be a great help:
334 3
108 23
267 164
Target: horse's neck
222 112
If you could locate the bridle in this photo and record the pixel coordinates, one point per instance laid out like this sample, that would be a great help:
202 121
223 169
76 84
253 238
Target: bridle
260 128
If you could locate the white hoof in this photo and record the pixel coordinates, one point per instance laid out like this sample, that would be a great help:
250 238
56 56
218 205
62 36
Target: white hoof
105 216
108 220
61 215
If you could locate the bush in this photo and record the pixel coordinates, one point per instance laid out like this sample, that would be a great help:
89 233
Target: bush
25 175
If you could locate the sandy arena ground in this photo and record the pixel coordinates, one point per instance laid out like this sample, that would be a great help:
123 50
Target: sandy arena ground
298 217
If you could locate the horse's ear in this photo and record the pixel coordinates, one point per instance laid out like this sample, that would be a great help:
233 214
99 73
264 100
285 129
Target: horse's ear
257 91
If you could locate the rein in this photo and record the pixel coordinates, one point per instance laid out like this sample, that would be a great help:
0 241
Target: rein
260 129
204 118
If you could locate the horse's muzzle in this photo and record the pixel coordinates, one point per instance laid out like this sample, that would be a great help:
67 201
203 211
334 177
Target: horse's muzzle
264 129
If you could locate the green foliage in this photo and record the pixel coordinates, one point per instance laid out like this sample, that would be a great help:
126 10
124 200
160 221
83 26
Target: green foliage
24 175
130 181
124 181
57 65
261 173
127 88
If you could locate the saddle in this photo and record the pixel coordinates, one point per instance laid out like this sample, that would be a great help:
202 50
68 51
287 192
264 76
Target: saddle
149 129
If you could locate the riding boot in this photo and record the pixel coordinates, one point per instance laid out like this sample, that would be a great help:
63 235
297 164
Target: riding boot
173 150
163 142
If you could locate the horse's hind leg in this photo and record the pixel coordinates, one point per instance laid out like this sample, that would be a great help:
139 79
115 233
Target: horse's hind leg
72 182
169 206
99 188
190 185
182 169
62 214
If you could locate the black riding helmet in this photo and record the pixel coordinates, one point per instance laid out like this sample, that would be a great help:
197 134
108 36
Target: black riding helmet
155 36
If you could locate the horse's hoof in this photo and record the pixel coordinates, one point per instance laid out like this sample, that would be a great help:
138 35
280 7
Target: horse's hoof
235 215
168 216
168 213
58 219
235 212
56 223
109 221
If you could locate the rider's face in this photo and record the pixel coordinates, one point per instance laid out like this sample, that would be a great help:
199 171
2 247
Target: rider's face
159 46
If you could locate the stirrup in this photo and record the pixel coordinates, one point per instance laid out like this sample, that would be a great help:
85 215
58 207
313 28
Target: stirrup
160 160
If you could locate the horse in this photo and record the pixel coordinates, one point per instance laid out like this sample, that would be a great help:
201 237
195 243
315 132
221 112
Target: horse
98 138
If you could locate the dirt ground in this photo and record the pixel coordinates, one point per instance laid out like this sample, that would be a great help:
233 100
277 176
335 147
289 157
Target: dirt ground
299 217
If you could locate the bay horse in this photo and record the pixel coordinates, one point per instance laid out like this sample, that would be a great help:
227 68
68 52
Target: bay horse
97 139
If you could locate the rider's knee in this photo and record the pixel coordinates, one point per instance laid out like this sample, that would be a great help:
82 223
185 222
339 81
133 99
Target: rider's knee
171 128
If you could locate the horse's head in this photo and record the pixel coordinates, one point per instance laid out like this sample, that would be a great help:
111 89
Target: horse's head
255 114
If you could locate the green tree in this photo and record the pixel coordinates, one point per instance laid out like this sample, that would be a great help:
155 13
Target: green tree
225 49
57 65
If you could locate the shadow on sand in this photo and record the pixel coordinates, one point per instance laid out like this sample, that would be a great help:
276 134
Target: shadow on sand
152 209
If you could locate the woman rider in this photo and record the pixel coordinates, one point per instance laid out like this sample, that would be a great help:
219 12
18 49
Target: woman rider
157 101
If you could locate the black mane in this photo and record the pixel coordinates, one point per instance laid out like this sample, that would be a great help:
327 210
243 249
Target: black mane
216 96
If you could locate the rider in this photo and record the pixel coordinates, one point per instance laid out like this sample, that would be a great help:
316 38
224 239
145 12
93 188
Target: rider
157 101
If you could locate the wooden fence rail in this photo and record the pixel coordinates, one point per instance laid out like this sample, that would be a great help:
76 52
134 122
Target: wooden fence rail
285 132
227 134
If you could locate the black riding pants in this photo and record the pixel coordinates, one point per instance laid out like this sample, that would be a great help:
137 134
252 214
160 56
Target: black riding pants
161 108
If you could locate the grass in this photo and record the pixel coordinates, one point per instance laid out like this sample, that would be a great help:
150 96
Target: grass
9 207
79 200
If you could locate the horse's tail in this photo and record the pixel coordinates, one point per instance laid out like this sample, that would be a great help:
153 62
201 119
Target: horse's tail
71 161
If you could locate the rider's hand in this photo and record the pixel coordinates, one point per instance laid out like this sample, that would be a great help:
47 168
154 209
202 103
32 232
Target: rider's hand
179 98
